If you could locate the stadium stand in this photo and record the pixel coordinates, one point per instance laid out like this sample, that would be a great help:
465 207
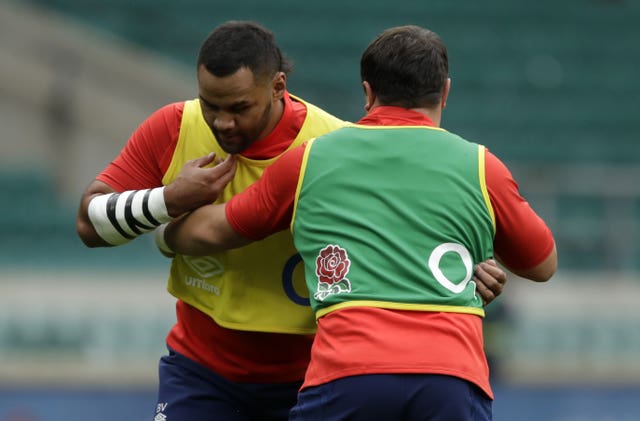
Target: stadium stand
542 83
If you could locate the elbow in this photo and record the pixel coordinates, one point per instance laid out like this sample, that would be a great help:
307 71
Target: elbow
88 235
549 266
545 270
545 274
81 229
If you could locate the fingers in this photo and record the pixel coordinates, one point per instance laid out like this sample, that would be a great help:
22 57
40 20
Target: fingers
491 262
221 174
490 280
226 166
228 171
229 161
203 160
485 293
492 269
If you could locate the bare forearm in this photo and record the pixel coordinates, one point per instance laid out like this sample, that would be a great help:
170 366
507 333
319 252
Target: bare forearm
203 232
190 234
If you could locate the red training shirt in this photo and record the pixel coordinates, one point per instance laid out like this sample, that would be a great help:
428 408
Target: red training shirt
455 346
241 356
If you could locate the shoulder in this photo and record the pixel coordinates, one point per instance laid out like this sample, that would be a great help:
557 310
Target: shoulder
168 114
315 112
161 127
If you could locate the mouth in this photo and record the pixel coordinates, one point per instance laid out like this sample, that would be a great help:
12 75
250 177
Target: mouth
231 143
229 137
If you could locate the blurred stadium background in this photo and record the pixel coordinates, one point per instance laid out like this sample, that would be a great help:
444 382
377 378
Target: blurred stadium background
552 87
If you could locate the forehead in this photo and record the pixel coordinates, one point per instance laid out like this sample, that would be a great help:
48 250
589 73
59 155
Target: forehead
236 87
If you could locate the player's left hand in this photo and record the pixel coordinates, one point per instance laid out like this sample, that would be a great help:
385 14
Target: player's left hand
490 280
198 183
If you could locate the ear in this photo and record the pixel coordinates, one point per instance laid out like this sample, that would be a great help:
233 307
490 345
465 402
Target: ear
369 96
445 93
279 85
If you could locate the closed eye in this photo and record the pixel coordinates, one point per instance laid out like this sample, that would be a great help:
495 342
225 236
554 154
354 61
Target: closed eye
240 108
208 106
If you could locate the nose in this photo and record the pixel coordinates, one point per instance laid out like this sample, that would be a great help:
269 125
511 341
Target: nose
223 121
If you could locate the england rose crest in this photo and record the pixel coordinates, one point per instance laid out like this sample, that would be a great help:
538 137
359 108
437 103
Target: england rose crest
332 266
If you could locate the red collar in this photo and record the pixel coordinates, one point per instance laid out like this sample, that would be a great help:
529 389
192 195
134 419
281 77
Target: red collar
276 142
395 116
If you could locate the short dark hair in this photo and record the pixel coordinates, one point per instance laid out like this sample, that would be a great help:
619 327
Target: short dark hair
236 44
406 66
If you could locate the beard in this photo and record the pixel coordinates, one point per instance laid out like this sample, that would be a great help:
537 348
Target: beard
238 140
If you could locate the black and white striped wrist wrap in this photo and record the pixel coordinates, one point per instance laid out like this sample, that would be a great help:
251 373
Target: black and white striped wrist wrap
120 217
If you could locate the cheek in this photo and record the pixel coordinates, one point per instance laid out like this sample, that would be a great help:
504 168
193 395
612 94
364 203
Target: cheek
208 118
245 123
252 122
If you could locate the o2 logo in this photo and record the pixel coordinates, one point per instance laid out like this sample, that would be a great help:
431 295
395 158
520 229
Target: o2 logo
433 263
434 266
287 281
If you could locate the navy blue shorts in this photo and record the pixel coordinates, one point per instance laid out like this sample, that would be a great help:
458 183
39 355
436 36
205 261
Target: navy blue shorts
396 397
191 392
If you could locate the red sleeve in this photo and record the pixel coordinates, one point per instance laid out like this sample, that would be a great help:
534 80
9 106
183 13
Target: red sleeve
146 156
522 239
266 206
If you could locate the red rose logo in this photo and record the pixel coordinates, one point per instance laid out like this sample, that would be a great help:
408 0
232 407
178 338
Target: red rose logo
332 266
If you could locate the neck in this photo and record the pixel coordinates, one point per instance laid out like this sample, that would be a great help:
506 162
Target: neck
434 114
277 109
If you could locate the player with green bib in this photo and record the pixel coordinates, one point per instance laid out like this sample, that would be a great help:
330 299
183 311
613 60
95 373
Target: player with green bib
390 217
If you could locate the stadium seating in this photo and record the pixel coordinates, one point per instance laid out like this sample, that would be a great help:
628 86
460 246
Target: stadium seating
537 82
38 230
